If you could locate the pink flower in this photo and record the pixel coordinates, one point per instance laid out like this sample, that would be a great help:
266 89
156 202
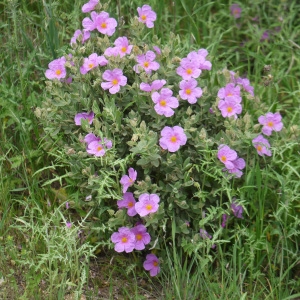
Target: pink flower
102 22
188 69
147 204
164 102
204 234
154 86
270 122
146 15
265 36
128 181
227 156
89 6
86 116
245 83
172 138
96 148
235 10
230 91
56 69
198 58
262 146
237 210
92 62
123 46
189 90
146 61
142 237
85 35
225 218
124 240
239 164
68 224
90 137
128 202
229 107
152 264
157 50
115 80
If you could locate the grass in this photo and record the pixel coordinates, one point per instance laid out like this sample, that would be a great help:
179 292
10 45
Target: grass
41 259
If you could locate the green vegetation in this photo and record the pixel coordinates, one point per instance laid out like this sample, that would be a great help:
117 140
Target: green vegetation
255 258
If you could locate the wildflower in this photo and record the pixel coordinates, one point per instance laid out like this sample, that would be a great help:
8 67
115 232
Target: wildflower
270 122
230 91
157 50
89 6
189 90
237 210
198 58
67 205
152 264
246 85
235 10
124 240
115 79
172 138
122 45
204 234
262 146
146 61
128 181
102 22
91 138
227 156
142 237
164 102
225 217
95 148
92 62
56 69
68 224
111 51
265 36
85 116
188 69
147 204
146 15
229 108
85 35
238 165
128 202
154 86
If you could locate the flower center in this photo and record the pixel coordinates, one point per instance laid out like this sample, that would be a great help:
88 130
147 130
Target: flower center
259 147
143 17
236 11
114 81
189 71
123 49
148 206
223 158
188 91
138 237
124 239
229 94
58 72
173 139
270 124
229 109
163 103
130 204
155 263
90 66
146 64
104 25
99 148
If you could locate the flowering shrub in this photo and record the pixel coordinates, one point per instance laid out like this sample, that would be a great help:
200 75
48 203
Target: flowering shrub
173 122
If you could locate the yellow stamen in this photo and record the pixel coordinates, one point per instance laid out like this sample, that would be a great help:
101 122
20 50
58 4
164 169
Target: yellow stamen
229 95
104 25
163 103
189 71
124 239
130 204
188 91
173 139
223 158
146 64
143 17
270 124
99 148
155 263
259 147
229 109
148 206
138 237
90 66
58 72
123 49
114 81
